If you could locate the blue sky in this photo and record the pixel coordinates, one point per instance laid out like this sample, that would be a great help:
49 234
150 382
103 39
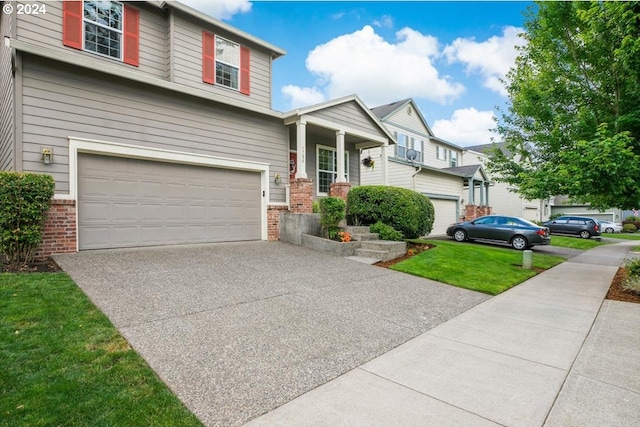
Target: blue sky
447 56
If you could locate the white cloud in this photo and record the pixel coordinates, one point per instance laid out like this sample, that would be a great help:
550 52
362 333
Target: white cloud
220 9
302 96
467 126
386 21
491 58
379 71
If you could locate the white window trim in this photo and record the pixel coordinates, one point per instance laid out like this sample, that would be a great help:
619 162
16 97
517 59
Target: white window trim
398 145
334 149
216 60
84 49
82 145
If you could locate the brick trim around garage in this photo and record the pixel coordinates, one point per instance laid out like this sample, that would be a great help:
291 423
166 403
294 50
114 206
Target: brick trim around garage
59 235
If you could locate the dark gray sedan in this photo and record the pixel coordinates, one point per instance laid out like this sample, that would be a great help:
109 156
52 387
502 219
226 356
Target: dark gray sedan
517 232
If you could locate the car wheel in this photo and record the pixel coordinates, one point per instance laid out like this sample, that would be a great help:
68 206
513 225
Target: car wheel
519 243
585 234
609 230
459 235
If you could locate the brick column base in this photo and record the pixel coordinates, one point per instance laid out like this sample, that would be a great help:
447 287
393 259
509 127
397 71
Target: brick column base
301 195
59 234
474 211
273 221
339 189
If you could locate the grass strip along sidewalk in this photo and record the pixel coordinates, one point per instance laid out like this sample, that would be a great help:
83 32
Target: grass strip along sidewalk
487 269
63 363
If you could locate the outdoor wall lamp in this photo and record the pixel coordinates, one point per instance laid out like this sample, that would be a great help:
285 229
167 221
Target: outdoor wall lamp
47 156
277 178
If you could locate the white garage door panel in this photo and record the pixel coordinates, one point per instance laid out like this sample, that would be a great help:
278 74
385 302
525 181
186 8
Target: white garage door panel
130 202
445 215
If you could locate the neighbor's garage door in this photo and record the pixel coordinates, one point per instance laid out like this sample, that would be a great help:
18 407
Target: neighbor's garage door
129 202
445 215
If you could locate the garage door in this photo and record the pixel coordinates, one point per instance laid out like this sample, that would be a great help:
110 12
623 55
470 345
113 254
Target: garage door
445 215
130 202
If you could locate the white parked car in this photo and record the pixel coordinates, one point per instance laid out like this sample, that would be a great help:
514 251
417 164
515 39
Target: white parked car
610 227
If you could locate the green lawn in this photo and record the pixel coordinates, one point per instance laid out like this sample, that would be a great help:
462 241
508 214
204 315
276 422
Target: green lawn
480 268
63 363
625 236
576 242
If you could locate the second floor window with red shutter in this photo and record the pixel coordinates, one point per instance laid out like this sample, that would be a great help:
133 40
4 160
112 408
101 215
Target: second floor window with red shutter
227 63
103 27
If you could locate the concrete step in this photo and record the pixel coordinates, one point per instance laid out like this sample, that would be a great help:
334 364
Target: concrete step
391 250
364 236
352 229
370 253
363 259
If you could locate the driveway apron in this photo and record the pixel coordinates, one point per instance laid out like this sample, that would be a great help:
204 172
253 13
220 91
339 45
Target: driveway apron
238 329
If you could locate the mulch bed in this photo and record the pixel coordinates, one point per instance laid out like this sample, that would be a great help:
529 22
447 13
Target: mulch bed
46 266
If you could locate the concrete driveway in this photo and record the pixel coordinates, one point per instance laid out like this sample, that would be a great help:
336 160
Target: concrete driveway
238 329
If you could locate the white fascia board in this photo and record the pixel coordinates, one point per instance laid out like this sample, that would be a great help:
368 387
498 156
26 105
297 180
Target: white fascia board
276 51
348 130
137 76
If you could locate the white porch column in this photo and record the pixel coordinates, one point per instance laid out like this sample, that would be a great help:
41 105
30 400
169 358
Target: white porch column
301 149
486 197
340 156
385 162
471 192
482 193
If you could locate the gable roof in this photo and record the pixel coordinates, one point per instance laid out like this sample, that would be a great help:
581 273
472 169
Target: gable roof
485 148
383 112
467 171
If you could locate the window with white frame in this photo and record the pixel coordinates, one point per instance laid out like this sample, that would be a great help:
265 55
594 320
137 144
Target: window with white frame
103 28
441 153
401 145
227 63
327 167
418 147
453 159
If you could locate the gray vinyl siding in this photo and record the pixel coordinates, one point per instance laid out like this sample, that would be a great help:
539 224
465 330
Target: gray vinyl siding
187 63
46 31
409 121
351 115
6 98
62 101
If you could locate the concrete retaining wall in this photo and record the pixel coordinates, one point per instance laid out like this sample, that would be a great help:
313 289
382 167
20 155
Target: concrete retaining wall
294 225
330 246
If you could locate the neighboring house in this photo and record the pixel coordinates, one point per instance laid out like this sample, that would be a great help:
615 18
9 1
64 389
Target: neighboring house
562 205
155 121
436 169
503 200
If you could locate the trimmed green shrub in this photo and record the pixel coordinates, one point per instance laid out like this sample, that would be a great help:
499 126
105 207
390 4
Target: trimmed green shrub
635 223
315 207
629 228
633 267
25 199
386 232
407 211
332 211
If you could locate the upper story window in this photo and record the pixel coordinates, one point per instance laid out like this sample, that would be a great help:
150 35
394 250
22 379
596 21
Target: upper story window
401 145
453 159
418 146
107 28
441 153
225 63
103 28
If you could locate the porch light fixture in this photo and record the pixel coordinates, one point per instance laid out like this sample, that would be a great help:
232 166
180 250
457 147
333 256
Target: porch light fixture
277 179
47 155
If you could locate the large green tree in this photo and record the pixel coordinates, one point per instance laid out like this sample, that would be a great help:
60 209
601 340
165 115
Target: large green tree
572 125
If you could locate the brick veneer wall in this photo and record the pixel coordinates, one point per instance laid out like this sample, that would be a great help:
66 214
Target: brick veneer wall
59 235
339 189
475 211
273 221
301 195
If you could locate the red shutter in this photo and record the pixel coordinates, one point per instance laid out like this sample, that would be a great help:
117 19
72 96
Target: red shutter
208 58
131 36
245 80
72 24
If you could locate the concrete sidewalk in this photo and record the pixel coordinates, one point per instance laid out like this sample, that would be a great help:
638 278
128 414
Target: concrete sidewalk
548 352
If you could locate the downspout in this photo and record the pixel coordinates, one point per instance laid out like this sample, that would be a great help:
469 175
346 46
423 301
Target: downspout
413 177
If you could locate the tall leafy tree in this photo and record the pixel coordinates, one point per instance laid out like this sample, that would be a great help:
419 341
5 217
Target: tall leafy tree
572 126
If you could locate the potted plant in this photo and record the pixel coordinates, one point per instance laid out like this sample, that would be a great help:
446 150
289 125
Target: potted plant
368 162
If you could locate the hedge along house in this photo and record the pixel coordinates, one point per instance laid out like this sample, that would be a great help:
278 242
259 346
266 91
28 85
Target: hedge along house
422 162
155 121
